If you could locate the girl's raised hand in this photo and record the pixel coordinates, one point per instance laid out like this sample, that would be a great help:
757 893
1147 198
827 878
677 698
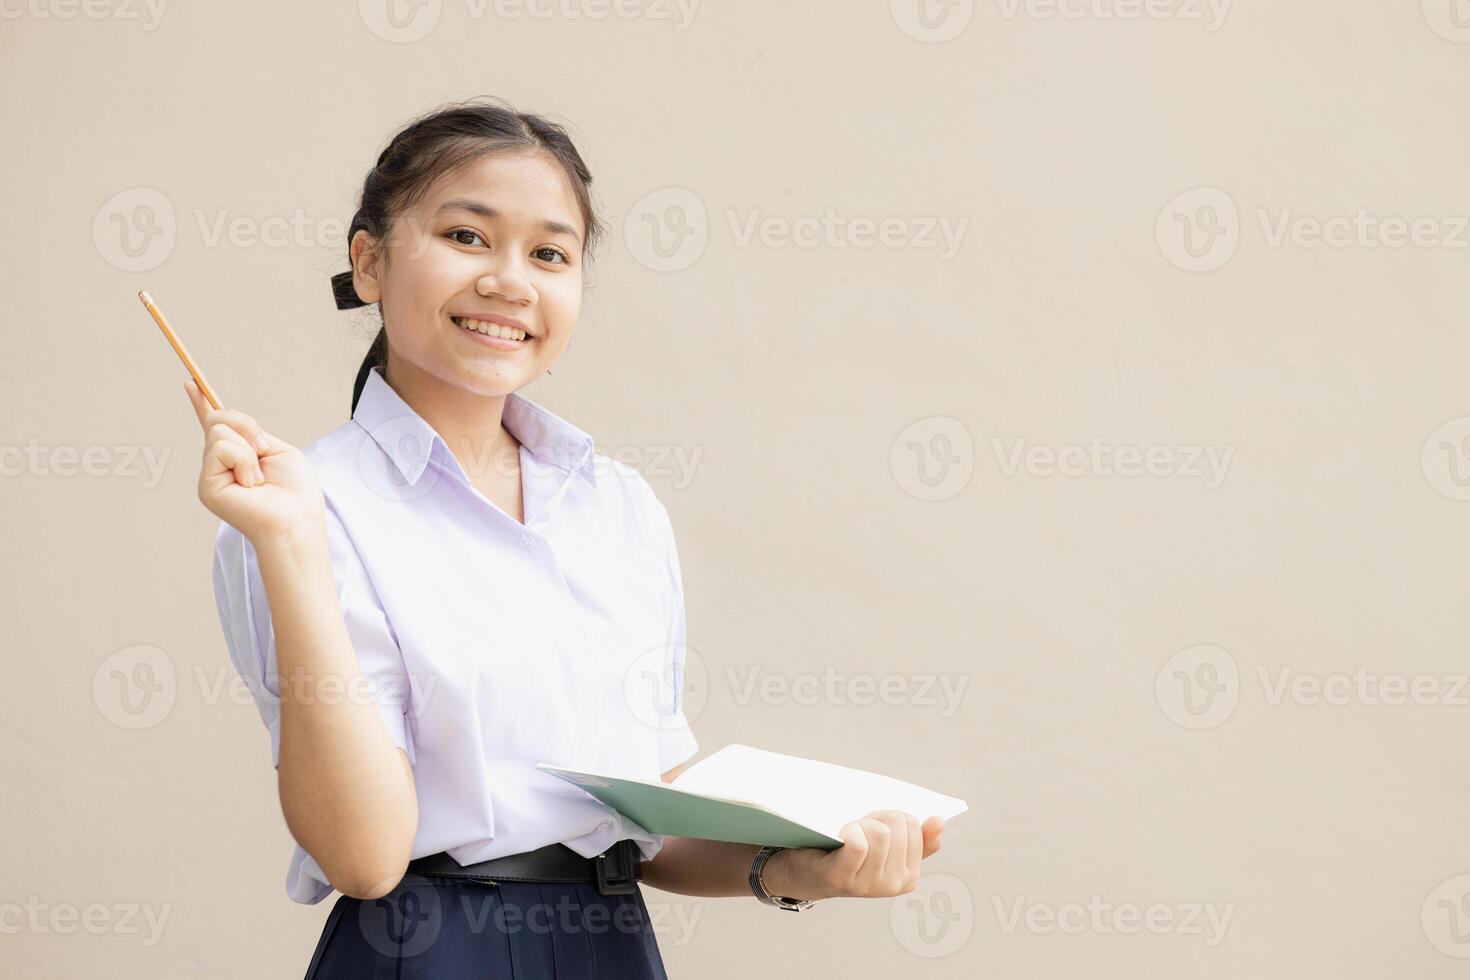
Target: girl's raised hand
250 479
879 858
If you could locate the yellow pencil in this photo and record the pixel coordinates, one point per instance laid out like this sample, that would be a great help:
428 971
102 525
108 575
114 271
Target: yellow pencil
178 347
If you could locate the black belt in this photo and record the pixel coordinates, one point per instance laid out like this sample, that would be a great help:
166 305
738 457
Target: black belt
616 870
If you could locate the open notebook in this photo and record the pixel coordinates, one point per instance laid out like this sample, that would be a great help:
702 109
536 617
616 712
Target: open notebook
753 796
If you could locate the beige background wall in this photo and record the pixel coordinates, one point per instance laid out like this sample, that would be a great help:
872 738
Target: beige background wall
1207 705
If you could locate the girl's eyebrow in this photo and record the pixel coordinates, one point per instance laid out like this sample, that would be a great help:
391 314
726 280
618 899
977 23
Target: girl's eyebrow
487 212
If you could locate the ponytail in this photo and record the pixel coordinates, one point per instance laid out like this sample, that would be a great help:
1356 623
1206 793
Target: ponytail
377 356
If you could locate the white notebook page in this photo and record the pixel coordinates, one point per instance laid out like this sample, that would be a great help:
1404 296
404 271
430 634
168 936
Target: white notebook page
819 794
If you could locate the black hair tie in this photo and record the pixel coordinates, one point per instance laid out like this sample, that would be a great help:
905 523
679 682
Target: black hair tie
344 292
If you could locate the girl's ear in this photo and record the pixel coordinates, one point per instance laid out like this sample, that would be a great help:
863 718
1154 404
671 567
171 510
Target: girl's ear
366 261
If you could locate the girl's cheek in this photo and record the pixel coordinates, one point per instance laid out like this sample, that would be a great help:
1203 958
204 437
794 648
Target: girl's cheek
566 296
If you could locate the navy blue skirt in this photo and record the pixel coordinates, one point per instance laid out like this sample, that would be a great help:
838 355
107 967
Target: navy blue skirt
527 930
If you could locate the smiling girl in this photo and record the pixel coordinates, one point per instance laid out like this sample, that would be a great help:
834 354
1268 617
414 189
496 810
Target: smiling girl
453 586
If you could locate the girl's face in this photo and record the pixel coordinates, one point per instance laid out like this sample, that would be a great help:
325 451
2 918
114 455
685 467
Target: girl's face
502 237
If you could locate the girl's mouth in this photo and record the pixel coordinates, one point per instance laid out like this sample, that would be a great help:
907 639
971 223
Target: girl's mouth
493 334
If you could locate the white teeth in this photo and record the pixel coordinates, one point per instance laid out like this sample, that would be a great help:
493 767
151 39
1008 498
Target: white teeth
491 329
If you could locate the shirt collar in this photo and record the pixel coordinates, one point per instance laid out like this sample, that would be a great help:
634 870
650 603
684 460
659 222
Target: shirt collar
408 440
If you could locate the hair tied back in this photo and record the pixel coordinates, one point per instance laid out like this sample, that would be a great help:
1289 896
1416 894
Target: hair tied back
344 292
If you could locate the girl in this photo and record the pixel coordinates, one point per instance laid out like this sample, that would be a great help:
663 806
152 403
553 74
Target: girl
452 586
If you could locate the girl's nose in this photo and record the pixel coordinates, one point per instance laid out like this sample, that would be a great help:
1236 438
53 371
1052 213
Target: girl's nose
508 282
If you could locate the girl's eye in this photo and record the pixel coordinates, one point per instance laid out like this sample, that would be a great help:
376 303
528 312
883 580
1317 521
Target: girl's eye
549 253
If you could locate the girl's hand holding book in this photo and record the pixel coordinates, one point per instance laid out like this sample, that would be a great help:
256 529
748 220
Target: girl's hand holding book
879 858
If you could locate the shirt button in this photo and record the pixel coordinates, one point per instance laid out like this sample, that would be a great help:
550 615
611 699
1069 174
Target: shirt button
605 825
527 542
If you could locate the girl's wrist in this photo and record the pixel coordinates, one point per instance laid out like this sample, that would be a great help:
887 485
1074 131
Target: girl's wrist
783 875
306 535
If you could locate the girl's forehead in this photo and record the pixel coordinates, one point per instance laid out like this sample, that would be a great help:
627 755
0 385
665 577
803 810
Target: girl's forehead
516 187
504 180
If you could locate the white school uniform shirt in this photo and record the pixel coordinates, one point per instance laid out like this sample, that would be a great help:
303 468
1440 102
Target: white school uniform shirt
490 646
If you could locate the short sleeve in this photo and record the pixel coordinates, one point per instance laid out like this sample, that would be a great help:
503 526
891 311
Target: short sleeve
245 617
676 741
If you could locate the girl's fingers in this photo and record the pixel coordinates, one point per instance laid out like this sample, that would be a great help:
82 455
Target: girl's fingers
898 846
879 835
234 456
219 433
933 828
209 416
915 843
196 398
849 857
243 424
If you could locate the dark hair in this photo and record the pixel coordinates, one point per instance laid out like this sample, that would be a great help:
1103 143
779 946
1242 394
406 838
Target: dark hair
431 146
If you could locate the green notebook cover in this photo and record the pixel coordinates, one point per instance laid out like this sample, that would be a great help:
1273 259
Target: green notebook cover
663 809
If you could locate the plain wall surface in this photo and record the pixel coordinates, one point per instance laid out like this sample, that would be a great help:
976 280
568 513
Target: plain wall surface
1135 512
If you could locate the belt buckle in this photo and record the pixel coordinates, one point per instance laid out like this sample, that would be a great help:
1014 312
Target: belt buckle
615 874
